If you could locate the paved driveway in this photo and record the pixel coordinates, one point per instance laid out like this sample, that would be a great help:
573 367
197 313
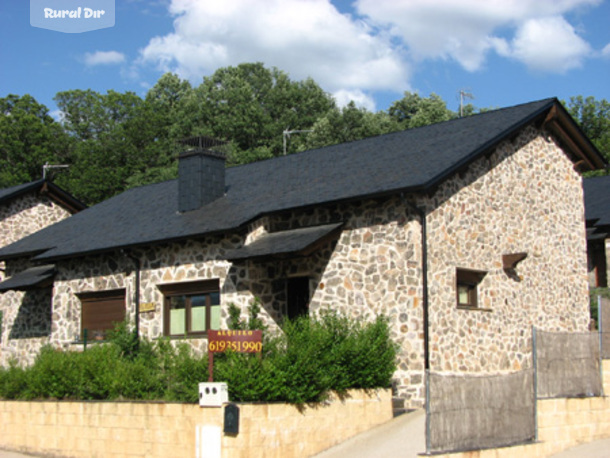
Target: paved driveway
403 436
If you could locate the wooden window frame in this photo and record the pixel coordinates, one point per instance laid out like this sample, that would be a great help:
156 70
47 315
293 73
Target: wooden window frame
92 297
188 290
470 279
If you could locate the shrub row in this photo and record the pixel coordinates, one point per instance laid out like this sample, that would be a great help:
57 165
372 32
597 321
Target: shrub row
311 357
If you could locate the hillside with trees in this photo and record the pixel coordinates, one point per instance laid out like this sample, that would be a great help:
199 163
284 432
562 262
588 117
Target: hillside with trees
116 141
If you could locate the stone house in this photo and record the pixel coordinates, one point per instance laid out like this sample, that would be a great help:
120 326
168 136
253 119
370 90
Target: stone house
597 212
463 233
24 210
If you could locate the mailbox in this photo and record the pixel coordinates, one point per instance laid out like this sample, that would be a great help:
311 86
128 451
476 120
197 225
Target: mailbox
213 394
231 420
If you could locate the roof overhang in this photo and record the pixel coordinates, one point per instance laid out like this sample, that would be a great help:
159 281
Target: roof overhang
286 244
34 277
584 154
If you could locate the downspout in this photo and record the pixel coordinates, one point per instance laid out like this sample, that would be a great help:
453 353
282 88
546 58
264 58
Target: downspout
136 262
424 248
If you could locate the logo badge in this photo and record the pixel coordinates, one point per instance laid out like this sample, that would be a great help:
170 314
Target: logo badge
72 16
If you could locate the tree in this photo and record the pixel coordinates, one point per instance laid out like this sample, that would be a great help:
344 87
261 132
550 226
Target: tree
414 111
29 137
348 124
593 116
120 140
251 106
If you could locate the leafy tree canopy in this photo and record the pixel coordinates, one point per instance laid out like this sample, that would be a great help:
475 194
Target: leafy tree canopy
115 141
252 106
29 138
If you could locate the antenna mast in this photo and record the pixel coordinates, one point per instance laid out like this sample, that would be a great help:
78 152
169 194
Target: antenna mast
463 95
286 135
47 167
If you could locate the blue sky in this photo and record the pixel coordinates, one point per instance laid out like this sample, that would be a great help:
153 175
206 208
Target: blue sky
503 52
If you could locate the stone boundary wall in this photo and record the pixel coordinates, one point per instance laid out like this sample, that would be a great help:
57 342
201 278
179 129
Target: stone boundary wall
562 424
112 429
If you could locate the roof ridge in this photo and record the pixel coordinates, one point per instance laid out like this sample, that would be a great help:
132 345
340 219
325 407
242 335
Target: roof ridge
397 132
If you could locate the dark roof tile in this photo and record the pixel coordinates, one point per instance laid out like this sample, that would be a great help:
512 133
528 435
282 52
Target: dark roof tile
410 161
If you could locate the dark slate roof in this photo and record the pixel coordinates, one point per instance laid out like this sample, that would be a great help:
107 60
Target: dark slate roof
55 192
29 278
410 161
283 242
14 191
597 204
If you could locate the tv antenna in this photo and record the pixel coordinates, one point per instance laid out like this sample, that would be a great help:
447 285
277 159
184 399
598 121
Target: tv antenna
47 166
286 135
464 95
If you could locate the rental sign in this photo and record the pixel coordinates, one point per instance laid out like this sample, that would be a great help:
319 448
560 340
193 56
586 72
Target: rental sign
237 341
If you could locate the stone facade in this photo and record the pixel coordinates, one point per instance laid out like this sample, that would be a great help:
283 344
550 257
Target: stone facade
524 197
25 215
26 316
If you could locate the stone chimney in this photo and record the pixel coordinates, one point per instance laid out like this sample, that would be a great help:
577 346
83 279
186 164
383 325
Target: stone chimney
201 173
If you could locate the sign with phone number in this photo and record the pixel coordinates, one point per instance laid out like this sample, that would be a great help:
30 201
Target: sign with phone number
237 341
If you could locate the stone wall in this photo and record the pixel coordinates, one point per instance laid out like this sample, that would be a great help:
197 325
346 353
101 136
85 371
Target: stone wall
106 429
26 322
27 214
524 198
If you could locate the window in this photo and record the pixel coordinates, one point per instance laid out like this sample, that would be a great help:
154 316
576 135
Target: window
191 308
467 282
100 312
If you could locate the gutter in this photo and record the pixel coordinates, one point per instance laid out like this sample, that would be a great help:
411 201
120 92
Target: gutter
425 302
136 262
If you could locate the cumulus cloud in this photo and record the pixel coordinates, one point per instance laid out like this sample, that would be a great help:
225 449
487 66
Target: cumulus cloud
606 51
549 45
344 97
307 38
377 48
467 30
104 58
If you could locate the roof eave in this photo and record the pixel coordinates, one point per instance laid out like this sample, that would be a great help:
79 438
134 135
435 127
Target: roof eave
62 198
584 154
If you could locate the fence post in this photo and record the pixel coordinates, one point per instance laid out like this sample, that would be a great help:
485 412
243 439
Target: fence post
600 330
428 447
535 368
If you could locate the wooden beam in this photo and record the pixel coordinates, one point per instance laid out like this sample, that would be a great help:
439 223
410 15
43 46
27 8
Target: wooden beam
510 261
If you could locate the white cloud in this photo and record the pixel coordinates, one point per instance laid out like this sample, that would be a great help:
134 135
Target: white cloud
549 45
306 38
104 58
376 49
606 51
362 100
467 30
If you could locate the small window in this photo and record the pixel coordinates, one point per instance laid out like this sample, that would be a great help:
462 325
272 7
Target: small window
191 308
467 282
101 311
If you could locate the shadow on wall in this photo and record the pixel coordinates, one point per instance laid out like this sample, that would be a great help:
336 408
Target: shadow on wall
34 315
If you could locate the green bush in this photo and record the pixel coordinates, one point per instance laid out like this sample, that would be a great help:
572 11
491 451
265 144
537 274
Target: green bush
309 358
12 381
